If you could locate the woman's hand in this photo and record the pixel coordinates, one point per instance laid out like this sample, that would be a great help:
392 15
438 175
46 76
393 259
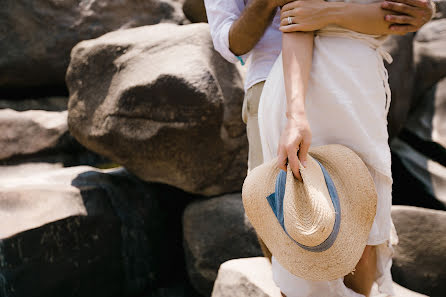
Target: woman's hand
295 140
305 15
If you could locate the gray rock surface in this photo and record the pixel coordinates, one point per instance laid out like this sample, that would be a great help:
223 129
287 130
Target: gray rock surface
214 231
195 11
441 9
160 101
430 56
246 277
401 77
419 164
419 255
55 103
30 131
81 231
41 136
36 36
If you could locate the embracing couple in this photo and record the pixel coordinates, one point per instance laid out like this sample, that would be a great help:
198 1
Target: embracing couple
316 77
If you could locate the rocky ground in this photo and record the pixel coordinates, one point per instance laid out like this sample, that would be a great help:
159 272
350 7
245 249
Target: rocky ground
123 152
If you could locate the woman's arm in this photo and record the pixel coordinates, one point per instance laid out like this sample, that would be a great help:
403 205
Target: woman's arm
297 56
375 18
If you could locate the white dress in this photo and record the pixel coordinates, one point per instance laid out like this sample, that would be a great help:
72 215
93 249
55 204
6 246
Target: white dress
347 102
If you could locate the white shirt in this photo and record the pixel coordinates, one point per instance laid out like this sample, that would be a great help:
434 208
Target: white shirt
221 14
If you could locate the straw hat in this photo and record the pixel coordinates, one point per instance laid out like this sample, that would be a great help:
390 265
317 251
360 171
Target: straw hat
317 229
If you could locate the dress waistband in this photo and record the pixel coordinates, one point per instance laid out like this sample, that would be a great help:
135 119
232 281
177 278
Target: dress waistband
373 41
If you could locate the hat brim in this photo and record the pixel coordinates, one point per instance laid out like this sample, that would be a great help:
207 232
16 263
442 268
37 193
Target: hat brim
358 198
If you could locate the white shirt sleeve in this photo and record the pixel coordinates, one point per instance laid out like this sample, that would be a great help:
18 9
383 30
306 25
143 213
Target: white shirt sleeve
221 14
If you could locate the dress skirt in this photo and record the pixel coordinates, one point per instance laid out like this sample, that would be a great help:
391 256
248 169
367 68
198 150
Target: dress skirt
347 103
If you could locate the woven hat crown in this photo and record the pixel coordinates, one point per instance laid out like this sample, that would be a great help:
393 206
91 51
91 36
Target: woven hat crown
309 215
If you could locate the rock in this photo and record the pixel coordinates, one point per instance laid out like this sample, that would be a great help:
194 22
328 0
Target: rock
401 77
419 154
195 11
41 136
86 231
214 231
430 56
401 291
55 103
252 277
37 35
248 277
30 131
416 263
441 9
160 101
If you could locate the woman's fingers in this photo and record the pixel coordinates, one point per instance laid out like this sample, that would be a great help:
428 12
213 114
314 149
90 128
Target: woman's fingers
303 152
284 22
282 158
290 6
286 14
294 162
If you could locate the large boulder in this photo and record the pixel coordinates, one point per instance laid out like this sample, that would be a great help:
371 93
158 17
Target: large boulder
160 101
401 77
37 35
81 231
419 255
214 231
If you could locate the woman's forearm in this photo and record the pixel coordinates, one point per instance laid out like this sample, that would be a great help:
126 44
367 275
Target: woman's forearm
311 15
363 18
297 56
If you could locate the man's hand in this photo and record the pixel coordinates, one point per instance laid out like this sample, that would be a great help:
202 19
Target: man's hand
410 14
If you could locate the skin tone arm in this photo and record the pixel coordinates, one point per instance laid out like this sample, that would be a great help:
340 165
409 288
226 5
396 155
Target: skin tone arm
398 17
297 56
247 30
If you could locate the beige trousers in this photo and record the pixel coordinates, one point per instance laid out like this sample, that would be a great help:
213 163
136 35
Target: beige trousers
255 155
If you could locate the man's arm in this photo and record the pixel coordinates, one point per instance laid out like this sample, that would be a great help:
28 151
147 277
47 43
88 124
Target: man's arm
236 29
247 30
399 18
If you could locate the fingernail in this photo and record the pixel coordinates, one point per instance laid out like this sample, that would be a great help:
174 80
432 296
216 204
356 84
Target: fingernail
304 163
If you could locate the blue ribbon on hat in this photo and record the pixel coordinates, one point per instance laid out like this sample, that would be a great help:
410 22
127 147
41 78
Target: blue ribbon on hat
275 201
